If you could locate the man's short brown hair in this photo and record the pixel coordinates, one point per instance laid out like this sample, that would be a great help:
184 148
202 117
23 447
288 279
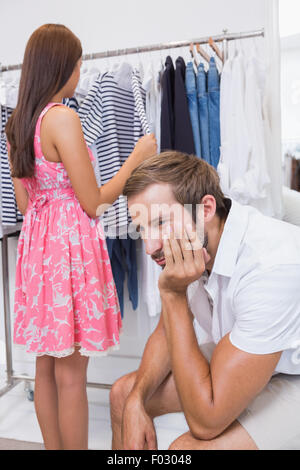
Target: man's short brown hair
189 177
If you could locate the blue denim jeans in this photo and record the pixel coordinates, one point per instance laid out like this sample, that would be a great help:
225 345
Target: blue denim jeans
203 112
191 91
213 88
122 253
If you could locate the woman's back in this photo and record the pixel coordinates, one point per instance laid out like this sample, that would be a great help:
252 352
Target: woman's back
49 175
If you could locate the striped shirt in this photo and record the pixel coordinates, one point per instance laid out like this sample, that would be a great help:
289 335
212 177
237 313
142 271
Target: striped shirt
139 100
111 121
10 213
72 103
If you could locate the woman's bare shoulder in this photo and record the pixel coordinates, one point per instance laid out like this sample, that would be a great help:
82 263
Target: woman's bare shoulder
61 117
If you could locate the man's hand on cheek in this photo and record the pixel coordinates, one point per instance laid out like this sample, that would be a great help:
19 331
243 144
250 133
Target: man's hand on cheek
185 262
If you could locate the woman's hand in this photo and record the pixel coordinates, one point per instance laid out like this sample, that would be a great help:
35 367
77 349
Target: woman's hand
145 148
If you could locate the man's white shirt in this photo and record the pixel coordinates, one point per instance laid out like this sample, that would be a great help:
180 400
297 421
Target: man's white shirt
253 291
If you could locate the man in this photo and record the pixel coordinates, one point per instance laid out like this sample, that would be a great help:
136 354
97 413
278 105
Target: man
239 292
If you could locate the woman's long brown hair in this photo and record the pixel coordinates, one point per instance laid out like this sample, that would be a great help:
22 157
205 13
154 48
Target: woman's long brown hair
49 60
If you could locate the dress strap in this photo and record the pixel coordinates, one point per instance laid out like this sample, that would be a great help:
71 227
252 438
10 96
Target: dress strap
37 136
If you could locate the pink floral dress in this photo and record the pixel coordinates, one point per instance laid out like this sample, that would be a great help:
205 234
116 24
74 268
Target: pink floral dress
65 294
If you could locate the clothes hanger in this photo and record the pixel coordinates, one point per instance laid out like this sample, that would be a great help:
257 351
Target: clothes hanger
150 59
162 61
140 65
238 47
108 63
216 49
203 53
193 55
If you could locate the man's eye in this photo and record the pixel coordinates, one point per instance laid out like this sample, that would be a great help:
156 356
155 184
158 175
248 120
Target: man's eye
161 222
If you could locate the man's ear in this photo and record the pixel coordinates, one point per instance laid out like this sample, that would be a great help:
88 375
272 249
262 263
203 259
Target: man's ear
209 207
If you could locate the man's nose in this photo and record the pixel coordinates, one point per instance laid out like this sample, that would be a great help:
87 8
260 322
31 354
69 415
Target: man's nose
153 246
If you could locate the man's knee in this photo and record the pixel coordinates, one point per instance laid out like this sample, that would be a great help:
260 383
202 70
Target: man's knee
188 442
119 393
179 444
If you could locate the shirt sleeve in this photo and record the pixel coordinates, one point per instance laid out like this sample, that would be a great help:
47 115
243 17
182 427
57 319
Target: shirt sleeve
91 113
267 309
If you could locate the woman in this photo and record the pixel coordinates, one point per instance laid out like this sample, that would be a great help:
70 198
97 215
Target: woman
66 307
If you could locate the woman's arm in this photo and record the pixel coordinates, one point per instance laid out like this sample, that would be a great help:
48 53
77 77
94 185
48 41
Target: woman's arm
21 195
64 128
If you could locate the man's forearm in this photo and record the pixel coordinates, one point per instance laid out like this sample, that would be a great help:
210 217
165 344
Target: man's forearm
155 364
190 369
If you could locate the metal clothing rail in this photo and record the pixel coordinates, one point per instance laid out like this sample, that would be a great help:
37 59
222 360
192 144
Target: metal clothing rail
224 38
11 379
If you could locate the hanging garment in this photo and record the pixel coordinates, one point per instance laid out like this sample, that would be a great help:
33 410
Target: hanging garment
2 91
176 127
167 106
183 132
257 179
295 175
149 270
149 295
71 103
110 121
273 204
152 86
203 112
226 104
236 143
87 79
9 90
213 88
226 101
65 295
287 168
10 213
1 217
122 253
96 167
291 203
243 168
139 100
191 92
149 276
271 113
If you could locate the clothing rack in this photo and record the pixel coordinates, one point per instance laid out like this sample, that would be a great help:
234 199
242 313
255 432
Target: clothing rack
224 38
13 380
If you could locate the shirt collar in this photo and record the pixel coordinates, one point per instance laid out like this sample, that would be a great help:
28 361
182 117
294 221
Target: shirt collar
232 236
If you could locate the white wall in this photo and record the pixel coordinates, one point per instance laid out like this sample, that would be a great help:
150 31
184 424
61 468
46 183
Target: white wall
289 11
119 24
290 96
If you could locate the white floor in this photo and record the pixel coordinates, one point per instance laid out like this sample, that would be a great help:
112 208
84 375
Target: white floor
18 420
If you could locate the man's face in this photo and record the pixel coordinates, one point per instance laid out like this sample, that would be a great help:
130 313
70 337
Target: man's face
156 214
